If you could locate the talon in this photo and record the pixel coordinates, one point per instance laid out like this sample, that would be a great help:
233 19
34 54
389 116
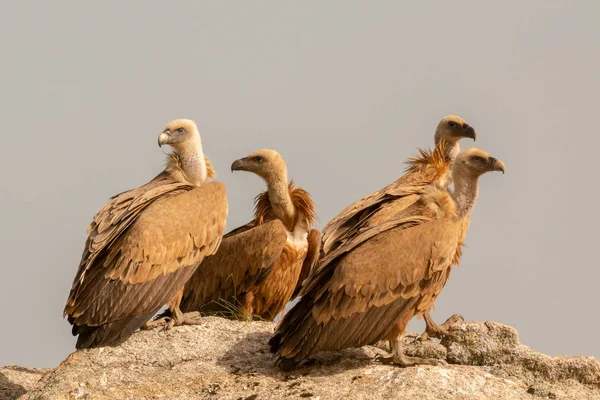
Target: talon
414 361
405 361
401 360
169 325
160 322
434 331
440 331
452 320
191 318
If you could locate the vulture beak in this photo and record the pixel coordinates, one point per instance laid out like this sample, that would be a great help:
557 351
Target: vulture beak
470 132
239 165
164 138
497 165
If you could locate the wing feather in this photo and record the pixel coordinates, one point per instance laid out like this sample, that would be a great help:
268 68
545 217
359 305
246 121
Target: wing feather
428 168
243 261
163 230
310 261
367 289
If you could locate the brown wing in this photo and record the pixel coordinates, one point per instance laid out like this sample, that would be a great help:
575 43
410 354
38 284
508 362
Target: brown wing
242 262
146 262
240 229
310 261
357 299
401 212
118 214
429 167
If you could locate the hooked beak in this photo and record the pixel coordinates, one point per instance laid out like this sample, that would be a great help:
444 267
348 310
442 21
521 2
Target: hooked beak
164 138
470 132
239 165
497 165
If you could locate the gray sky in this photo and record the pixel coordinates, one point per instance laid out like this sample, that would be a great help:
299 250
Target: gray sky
346 91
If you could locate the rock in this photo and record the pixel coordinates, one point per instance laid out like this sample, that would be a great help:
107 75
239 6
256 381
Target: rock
495 345
16 381
224 359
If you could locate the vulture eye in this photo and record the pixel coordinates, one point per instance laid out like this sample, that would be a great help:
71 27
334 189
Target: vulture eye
478 159
180 130
451 124
259 159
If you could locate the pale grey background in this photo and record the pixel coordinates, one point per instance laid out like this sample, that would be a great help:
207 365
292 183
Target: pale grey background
346 91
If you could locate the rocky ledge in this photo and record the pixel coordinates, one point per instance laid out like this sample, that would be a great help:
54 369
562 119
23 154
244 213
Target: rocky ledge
224 359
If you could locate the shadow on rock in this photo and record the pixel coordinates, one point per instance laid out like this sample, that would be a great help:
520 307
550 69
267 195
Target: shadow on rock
10 390
250 355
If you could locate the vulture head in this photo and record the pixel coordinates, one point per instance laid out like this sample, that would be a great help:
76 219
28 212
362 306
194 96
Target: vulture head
476 162
179 134
265 163
453 128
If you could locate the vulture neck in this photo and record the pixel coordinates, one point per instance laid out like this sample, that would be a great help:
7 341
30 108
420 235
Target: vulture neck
465 191
193 163
452 147
279 197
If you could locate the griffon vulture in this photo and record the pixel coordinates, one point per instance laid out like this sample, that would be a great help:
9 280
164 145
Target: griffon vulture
261 265
146 243
399 196
387 273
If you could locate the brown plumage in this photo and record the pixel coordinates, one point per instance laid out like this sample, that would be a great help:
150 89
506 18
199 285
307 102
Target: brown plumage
428 167
260 266
371 285
174 168
354 224
145 244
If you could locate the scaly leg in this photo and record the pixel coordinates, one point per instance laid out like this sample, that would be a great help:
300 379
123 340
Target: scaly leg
159 320
438 331
399 359
180 318
177 318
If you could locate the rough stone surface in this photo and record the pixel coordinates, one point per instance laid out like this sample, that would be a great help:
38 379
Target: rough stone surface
16 381
224 359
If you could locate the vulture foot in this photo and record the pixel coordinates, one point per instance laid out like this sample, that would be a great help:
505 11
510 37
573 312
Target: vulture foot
399 359
406 361
177 318
190 318
157 323
439 331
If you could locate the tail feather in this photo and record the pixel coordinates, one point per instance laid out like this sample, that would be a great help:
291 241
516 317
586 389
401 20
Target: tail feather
299 336
291 335
286 364
110 334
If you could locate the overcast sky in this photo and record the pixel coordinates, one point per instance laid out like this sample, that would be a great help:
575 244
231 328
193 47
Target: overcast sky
345 91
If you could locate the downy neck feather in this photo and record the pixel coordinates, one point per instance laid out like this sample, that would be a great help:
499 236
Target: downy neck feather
190 165
466 190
